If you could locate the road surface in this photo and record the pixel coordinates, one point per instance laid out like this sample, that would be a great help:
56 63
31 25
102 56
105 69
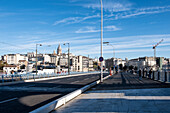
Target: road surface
25 97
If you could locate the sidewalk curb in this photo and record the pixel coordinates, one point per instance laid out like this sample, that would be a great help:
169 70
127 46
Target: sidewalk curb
42 79
63 100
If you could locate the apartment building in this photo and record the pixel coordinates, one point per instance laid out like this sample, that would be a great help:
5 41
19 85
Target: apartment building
14 58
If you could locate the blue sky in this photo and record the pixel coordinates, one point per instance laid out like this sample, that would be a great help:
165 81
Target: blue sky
132 26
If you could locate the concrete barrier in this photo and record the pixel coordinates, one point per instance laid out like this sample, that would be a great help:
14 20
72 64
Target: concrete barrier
63 100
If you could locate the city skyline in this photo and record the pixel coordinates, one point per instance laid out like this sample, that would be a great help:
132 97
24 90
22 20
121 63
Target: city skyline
132 26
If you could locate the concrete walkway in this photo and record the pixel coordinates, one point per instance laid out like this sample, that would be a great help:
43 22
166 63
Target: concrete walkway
128 99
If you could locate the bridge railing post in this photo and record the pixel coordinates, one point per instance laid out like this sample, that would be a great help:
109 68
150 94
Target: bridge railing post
20 77
2 78
153 75
150 74
161 76
27 76
168 76
12 77
158 77
165 76
145 73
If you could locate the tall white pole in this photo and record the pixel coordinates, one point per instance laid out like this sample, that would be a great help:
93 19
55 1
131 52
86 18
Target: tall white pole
36 63
114 60
101 78
68 58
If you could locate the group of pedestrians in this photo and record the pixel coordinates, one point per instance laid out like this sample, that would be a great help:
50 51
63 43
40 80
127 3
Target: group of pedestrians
144 71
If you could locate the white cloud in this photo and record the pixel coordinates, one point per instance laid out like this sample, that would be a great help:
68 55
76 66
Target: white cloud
68 20
91 45
110 5
139 11
90 29
142 41
112 28
7 14
87 29
154 8
71 20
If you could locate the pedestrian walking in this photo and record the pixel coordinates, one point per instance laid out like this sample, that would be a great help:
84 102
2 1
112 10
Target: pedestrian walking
150 72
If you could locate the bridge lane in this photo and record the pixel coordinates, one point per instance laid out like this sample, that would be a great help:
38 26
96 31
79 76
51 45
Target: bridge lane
129 81
32 95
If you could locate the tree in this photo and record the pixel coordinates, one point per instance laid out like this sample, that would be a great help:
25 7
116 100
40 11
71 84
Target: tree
95 66
2 64
22 67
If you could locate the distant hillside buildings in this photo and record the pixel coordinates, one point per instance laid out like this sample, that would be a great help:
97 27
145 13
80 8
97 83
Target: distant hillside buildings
60 61
160 63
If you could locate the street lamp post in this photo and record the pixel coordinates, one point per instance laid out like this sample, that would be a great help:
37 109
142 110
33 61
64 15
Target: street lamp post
101 77
88 63
36 59
113 54
68 57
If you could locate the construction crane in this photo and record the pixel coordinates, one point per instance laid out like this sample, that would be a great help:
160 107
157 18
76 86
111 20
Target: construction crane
154 47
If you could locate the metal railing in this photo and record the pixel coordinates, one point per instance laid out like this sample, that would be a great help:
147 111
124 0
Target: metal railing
21 77
162 76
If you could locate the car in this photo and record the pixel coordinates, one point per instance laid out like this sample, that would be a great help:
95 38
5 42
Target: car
19 72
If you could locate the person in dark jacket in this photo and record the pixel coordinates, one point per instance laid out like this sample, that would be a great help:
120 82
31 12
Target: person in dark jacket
150 72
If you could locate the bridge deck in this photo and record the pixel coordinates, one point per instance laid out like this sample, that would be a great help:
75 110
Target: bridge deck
129 81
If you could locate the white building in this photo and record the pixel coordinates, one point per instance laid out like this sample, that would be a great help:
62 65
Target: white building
47 58
79 63
10 69
14 58
143 62
54 59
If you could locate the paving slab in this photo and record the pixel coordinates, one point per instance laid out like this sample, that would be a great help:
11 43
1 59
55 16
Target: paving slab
130 100
120 96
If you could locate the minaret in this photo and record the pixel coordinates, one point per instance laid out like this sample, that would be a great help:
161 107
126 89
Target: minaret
59 51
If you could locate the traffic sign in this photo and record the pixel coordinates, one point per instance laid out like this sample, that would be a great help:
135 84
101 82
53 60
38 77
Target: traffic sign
101 59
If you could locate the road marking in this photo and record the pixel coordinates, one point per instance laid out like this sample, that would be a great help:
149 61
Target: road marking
75 81
8 100
58 86
30 85
86 79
